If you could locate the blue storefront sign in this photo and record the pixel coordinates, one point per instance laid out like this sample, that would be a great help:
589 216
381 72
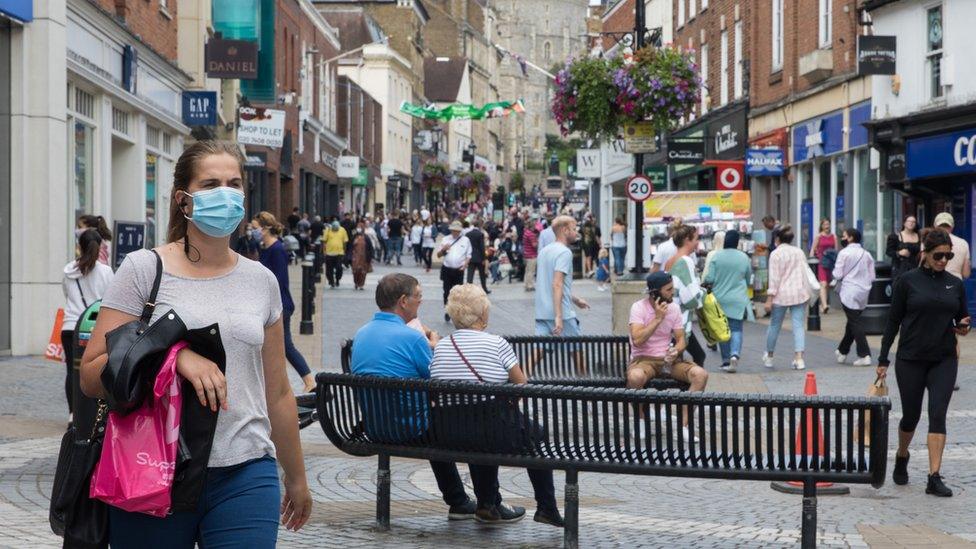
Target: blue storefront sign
839 208
859 114
947 154
200 108
21 10
818 137
763 162
806 222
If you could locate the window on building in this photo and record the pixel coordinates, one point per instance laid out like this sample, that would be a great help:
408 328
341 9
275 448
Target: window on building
704 4
724 64
152 161
692 9
681 12
825 19
934 51
704 76
777 35
547 51
738 59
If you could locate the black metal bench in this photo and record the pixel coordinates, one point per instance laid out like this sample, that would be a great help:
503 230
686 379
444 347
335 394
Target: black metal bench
741 436
552 360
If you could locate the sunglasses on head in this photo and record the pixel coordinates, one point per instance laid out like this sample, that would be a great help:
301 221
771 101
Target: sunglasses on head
939 256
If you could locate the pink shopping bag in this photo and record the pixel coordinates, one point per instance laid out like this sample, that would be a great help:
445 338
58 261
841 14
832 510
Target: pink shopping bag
135 471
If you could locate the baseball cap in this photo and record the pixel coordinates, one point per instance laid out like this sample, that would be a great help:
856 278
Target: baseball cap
944 218
657 280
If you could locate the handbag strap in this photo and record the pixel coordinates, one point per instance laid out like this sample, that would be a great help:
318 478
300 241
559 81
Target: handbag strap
101 417
83 302
150 306
465 359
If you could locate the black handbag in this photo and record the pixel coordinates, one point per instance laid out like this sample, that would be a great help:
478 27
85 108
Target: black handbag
82 521
136 351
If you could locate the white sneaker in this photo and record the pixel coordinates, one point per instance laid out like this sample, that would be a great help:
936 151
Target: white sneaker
798 364
733 364
840 358
863 361
767 360
687 434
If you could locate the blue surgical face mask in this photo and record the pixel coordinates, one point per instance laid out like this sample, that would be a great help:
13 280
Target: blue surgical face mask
256 234
217 212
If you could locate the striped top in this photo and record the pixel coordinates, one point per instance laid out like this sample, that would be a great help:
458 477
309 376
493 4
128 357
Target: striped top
489 354
788 284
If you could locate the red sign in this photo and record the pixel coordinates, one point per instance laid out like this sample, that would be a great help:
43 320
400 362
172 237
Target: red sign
639 188
729 175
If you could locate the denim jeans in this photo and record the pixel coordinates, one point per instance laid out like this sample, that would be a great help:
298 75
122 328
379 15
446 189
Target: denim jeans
395 249
732 347
618 259
797 317
292 353
238 508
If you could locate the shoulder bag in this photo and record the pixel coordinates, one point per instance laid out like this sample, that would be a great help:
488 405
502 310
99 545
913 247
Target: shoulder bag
82 521
136 351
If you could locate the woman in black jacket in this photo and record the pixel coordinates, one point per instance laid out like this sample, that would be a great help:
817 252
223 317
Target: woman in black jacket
928 308
903 247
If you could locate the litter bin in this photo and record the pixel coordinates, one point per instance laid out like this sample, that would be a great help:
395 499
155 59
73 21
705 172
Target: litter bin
875 316
84 408
577 260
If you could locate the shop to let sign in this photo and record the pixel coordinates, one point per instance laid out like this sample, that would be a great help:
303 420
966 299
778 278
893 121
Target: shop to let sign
265 127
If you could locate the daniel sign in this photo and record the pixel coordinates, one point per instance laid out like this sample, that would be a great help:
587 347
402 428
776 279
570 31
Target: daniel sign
265 127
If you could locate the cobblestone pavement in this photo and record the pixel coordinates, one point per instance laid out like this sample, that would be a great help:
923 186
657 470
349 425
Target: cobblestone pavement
616 510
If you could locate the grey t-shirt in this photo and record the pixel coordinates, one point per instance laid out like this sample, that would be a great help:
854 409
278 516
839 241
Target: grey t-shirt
243 302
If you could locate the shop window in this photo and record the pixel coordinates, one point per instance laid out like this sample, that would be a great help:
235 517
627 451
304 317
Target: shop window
934 49
867 200
82 143
152 169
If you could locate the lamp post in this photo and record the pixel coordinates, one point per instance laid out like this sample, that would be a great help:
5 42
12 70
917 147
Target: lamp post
471 148
639 270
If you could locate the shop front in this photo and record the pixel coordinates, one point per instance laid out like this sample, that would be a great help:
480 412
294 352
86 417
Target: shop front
766 170
723 133
834 178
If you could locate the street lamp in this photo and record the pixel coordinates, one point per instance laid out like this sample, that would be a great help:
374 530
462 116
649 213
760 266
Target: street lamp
471 148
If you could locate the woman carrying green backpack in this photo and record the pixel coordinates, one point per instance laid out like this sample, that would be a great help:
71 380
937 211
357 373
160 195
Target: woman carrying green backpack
729 276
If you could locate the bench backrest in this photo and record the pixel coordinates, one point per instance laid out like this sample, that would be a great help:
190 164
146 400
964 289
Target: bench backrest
747 436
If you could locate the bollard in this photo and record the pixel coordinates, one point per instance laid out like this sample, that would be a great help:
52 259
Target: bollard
308 299
813 319
319 262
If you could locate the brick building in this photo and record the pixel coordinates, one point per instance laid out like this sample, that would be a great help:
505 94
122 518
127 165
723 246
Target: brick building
808 105
153 21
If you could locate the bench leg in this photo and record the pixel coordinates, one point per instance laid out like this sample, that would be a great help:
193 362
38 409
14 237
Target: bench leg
571 532
383 493
808 529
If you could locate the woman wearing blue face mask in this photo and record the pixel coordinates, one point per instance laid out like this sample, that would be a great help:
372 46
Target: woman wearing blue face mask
240 421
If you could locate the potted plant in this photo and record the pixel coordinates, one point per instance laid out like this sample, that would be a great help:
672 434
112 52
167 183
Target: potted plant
435 176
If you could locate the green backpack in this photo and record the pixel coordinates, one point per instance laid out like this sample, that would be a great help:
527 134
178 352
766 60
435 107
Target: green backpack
714 325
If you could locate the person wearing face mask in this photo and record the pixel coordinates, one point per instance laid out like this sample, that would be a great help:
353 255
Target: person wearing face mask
273 255
238 413
335 241
854 271
928 313
361 249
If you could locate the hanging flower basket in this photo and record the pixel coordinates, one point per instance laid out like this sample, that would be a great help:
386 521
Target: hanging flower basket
479 181
517 181
435 176
596 96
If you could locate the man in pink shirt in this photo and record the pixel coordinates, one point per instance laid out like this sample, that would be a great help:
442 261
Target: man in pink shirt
654 320
530 251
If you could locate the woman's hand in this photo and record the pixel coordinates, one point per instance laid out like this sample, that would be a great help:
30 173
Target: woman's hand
768 306
296 507
206 377
882 371
962 327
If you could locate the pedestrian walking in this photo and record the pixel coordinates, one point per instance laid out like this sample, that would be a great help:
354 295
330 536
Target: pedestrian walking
361 252
456 253
478 263
854 272
773 228
383 233
718 242
788 293
824 248
603 269
238 499
903 247
84 282
428 240
304 228
416 240
618 243
960 265
928 312
293 220
275 258
729 276
530 252
316 229
667 249
687 286
335 241
395 242
591 246
98 223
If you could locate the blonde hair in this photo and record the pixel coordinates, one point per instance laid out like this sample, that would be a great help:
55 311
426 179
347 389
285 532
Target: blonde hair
718 240
267 221
560 223
467 305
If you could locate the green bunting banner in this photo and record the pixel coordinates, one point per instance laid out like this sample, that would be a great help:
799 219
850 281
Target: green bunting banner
498 109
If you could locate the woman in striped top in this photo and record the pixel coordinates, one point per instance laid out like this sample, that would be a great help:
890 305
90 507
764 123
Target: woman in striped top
471 354
789 291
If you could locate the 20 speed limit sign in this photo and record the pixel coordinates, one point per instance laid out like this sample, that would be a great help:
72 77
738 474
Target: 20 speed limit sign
639 188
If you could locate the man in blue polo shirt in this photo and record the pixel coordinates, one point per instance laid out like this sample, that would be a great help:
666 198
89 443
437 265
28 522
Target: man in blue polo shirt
387 347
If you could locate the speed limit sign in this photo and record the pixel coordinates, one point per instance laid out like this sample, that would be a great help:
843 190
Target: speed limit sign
639 188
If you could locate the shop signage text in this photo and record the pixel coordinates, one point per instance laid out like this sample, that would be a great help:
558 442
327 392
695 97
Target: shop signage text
588 163
130 236
686 151
727 136
362 178
946 154
330 160
231 59
726 139
258 126
200 108
876 54
348 167
764 162
639 138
